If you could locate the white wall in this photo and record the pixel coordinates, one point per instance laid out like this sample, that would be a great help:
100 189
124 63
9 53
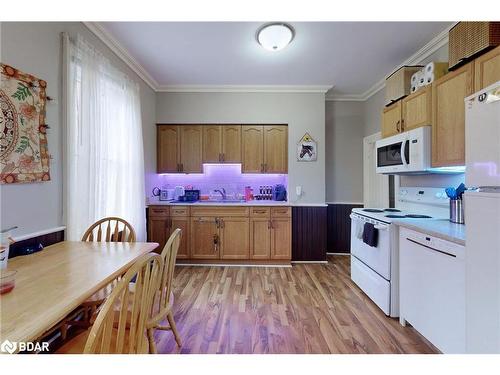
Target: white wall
344 152
35 48
303 112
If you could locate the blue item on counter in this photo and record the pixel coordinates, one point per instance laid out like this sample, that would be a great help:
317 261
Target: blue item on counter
279 192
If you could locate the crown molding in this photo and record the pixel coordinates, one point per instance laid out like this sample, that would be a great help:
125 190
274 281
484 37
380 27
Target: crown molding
245 88
436 43
120 51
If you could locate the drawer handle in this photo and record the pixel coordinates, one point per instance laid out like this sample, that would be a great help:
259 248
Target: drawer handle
260 211
159 211
281 212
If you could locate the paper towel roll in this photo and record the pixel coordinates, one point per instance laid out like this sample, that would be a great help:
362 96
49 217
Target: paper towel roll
429 77
413 89
414 77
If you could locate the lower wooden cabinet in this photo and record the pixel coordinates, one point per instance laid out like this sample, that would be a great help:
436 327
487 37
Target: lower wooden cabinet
205 239
260 238
225 233
281 238
235 237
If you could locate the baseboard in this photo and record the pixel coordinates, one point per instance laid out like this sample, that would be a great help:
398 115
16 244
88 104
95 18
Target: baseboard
338 253
310 261
232 265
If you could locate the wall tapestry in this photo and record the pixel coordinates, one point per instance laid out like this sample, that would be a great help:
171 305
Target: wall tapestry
307 149
24 155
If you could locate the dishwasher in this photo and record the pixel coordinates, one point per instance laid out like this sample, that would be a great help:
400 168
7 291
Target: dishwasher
432 289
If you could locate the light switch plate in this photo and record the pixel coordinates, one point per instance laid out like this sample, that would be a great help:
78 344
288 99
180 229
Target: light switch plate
298 190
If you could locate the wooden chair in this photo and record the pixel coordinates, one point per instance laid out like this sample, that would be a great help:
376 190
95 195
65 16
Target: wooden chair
108 229
113 232
163 303
123 332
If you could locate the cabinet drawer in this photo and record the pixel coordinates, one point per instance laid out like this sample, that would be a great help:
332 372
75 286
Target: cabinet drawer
159 211
219 211
179 211
281 211
260 211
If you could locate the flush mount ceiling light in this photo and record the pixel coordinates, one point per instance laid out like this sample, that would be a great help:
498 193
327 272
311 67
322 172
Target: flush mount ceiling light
275 36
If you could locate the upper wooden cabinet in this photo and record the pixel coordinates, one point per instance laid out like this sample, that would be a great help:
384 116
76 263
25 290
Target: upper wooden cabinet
276 149
391 119
259 148
448 111
190 148
212 143
231 143
487 69
417 109
222 143
167 148
252 143
265 149
179 148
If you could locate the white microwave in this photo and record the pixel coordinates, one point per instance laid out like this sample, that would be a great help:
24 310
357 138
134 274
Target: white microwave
408 152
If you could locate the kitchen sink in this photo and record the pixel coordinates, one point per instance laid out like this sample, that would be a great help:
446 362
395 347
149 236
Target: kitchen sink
222 201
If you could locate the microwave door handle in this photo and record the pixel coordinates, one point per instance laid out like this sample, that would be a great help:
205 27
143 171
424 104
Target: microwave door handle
403 152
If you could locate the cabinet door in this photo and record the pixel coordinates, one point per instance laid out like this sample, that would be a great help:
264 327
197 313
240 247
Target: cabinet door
159 231
487 69
252 139
417 109
260 238
183 224
281 239
167 148
391 119
191 146
231 143
448 116
276 149
212 143
205 240
235 237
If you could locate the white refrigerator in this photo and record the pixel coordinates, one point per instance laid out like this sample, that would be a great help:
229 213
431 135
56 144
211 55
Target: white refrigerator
482 220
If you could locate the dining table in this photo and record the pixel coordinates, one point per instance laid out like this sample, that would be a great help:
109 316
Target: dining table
53 282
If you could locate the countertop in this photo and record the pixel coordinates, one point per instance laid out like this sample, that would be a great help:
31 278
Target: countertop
441 228
244 204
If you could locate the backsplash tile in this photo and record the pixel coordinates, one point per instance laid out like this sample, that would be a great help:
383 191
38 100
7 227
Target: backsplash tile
216 176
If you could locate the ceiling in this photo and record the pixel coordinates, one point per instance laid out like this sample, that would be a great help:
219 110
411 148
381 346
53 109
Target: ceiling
351 56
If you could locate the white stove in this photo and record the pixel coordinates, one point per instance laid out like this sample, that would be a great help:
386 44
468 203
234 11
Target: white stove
376 269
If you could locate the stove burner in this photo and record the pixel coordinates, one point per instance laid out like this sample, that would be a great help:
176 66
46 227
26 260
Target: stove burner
372 210
391 210
415 216
395 216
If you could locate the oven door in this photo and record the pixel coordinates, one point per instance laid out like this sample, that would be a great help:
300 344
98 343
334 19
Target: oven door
377 258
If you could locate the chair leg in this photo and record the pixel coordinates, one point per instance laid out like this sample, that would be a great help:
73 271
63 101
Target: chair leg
64 331
171 321
152 344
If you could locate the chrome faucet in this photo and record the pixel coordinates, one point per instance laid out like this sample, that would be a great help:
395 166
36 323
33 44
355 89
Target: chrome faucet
222 192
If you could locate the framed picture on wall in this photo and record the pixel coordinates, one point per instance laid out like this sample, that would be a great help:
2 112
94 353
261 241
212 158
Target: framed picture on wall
307 149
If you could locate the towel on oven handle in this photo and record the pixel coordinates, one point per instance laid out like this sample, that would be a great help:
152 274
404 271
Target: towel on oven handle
370 235
358 229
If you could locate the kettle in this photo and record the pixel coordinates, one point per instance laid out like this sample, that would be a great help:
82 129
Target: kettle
179 192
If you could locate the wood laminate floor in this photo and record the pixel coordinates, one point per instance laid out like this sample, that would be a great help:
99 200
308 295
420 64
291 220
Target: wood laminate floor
308 308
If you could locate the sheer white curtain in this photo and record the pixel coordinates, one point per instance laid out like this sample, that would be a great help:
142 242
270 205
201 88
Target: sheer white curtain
105 158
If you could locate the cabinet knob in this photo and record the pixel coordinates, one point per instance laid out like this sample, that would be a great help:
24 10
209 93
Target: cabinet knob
397 126
403 125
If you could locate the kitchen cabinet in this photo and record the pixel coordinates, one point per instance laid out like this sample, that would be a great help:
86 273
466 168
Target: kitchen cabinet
191 148
391 119
231 143
487 69
448 116
235 237
235 233
205 240
281 238
417 109
265 149
212 143
222 143
252 143
167 148
276 149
